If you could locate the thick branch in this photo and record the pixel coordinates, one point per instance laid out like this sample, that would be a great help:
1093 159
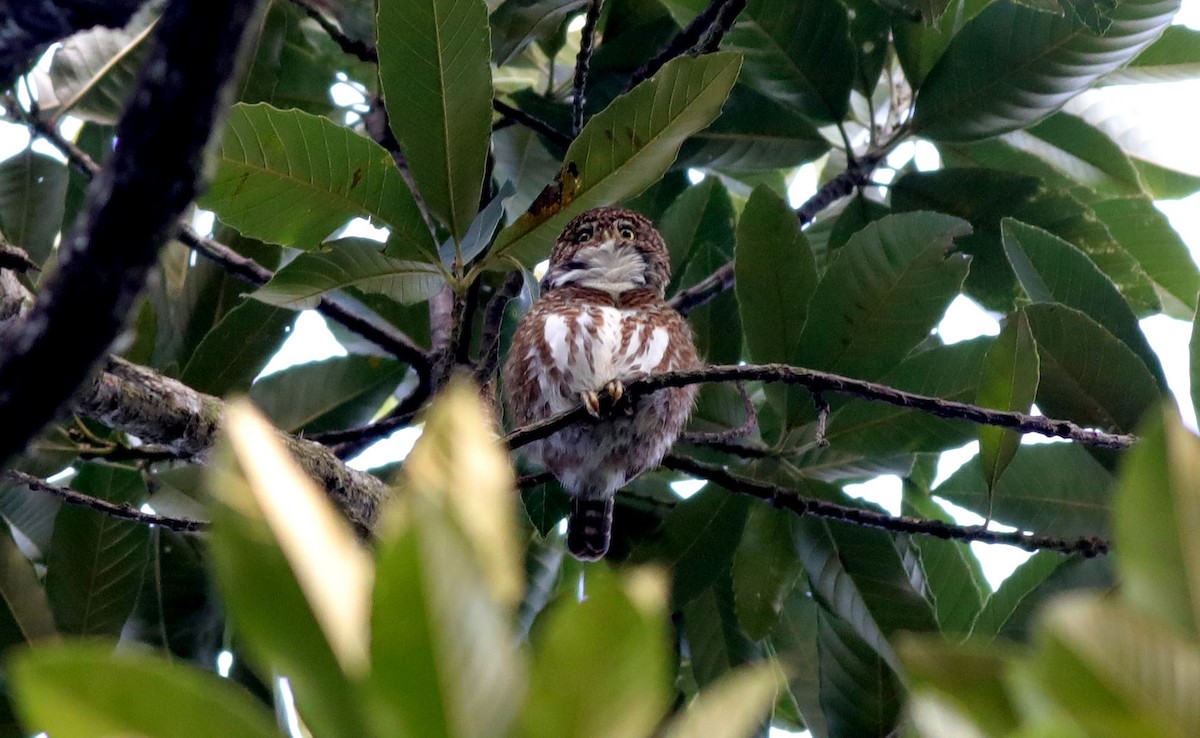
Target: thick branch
824 382
788 499
169 414
131 211
120 512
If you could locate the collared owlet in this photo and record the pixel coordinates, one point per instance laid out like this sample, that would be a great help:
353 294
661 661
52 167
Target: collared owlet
601 321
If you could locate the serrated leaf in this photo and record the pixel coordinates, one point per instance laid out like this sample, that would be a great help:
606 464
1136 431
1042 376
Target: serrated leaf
1088 375
1037 62
93 72
95 563
625 148
293 178
331 394
434 70
83 690
1052 270
349 262
1008 382
33 189
799 55
1156 512
883 294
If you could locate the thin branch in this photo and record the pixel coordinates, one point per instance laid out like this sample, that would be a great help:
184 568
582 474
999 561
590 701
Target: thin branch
358 49
856 174
726 17
533 123
788 499
120 512
681 43
493 319
725 437
16 259
583 61
31 25
817 381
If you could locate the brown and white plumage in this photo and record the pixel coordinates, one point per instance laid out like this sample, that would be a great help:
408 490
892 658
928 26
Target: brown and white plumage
601 321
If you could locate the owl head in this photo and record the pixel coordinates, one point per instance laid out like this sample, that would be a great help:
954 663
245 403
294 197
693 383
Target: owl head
612 250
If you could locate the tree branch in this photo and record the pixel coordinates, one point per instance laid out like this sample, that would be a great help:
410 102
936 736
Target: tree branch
131 211
688 38
120 512
27 29
788 499
533 123
824 382
583 60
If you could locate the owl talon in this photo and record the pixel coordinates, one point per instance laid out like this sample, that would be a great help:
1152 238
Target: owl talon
591 402
615 390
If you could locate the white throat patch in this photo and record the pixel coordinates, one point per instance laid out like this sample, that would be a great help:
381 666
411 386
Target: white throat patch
606 267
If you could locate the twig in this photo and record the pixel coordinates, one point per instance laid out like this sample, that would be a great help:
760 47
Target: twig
583 61
120 512
817 381
533 123
725 19
16 259
682 42
527 481
855 175
724 437
493 319
788 499
822 404
358 49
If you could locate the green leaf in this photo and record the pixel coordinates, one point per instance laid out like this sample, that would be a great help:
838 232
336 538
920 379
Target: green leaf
600 667
1194 362
297 589
1154 518
434 70
765 569
546 505
1064 150
753 132
799 55
95 564
1173 57
1052 270
442 662
1037 62
776 275
1145 232
883 293
1009 382
517 23
716 643
83 690
1087 375
796 647
341 392
697 540
625 148
951 372
33 188
25 614
1116 671
294 178
237 348
919 43
731 708
970 677
1013 593
93 72
1055 489
986 196
349 262
860 693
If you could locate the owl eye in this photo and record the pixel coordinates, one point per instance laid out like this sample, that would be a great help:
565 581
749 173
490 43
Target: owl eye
627 233
584 237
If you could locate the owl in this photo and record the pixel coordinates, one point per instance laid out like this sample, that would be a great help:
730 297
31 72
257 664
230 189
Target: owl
601 321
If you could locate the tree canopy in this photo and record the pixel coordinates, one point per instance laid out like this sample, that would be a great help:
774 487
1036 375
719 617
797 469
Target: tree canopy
187 552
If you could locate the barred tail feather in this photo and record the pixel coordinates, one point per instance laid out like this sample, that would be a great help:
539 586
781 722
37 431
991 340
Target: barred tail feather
589 527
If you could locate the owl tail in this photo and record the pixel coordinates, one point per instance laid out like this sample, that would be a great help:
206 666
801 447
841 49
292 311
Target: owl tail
589 527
